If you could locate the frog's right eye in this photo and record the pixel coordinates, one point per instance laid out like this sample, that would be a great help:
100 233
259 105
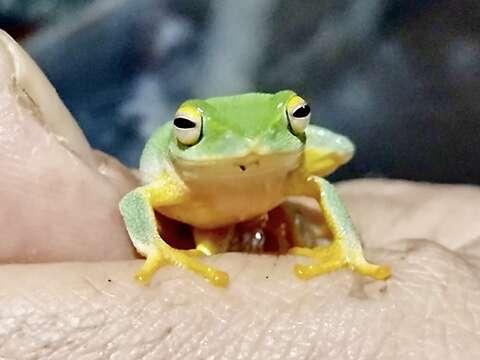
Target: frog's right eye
188 125
298 112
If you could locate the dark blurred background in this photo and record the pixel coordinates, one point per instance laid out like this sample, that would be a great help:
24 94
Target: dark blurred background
401 78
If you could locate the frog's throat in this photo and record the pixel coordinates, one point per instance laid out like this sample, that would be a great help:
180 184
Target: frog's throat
245 166
229 191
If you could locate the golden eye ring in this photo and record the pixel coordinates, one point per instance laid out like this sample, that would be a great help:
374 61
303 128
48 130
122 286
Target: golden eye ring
298 113
187 125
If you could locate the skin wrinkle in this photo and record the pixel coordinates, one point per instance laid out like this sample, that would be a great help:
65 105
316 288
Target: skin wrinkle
99 290
293 340
177 328
427 272
446 339
243 320
97 318
223 335
185 328
232 332
283 345
266 324
378 353
188 339
195 347
360 350
229 333
354 344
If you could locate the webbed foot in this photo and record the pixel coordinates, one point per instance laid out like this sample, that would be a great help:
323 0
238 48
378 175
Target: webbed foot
332 258
183 258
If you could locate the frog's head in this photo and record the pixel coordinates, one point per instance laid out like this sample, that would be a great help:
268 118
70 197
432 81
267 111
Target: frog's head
240 130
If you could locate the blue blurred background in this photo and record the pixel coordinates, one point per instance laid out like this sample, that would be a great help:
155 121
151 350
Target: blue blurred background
401 78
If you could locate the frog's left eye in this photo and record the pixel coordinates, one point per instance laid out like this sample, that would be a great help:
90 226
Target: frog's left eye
188 125
298 112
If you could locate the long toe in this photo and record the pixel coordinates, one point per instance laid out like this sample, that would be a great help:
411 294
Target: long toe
309 271
189 260
378 272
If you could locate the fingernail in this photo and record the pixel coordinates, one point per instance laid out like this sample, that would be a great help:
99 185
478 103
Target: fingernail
22 75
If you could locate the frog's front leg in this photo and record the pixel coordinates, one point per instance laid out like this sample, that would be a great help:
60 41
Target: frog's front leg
137 208
345 249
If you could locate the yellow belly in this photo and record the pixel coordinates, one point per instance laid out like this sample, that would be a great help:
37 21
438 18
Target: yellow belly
228 194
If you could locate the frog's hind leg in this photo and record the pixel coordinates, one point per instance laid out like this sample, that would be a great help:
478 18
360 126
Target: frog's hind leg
137 210
307 228
213 241
345 249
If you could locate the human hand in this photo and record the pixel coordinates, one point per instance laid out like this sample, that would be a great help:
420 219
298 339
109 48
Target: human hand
58 203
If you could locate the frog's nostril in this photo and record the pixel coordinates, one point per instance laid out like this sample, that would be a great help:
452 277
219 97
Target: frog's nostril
247 164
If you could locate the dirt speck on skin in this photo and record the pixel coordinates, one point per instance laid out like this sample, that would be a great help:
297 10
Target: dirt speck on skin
357 290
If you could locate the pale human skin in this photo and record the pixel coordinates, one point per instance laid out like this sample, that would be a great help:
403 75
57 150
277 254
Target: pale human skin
428 309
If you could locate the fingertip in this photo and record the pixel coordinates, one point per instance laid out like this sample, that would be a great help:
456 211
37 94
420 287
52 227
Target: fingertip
20 73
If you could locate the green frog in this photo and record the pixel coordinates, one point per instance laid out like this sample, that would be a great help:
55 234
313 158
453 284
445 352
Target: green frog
224 160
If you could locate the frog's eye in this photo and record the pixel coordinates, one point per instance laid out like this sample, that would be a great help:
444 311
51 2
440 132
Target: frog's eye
188 125
298 112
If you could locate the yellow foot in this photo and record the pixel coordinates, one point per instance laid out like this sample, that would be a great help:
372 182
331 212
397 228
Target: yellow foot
333 258
184 258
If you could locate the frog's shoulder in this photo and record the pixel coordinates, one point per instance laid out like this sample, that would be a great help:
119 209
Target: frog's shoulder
155 157
325 150
320 137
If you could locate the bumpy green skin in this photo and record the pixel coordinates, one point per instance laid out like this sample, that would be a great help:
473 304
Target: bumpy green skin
234 128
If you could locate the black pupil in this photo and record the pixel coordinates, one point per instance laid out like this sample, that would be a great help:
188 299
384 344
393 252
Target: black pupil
183 123
302 111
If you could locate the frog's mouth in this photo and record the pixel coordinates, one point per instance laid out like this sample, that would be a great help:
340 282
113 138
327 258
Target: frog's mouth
249 165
